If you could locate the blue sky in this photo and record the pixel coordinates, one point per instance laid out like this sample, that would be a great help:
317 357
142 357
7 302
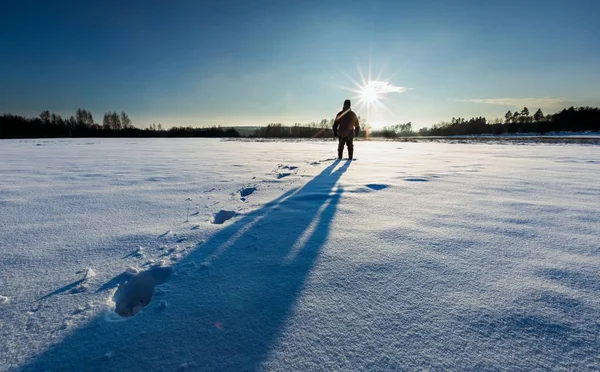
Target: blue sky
257 62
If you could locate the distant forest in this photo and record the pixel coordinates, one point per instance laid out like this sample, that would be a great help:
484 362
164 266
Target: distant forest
573 119
82 124
49 125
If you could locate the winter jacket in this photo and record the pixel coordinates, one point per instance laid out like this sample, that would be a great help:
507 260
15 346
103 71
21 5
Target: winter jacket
346 124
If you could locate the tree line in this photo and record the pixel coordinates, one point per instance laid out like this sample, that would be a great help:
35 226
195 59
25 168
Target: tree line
82 124
573 119
320 129
115 124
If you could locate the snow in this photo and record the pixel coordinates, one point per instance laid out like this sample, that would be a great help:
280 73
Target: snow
556 134
429 256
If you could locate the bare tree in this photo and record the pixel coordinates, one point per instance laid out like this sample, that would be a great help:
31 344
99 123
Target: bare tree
116 121
125 121
45 117
84 117
106 122
56 119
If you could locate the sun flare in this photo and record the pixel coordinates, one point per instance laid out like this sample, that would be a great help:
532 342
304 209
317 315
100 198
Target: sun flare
371 91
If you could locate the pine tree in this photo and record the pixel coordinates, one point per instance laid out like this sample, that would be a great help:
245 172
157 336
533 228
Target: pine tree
538 116
525 118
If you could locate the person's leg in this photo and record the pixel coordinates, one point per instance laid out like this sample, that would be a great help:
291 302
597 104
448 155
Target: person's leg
341 143
350 143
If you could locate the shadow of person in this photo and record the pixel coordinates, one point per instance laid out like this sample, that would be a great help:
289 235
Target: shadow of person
227 301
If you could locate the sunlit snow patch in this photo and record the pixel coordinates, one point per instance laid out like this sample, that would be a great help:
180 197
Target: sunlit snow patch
136 293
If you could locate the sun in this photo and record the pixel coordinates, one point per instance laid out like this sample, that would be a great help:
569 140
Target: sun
370 91
368 95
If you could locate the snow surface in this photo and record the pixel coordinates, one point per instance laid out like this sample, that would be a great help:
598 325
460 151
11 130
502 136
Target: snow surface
416 256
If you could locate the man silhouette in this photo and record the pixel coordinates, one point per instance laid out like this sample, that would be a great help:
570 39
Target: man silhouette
346 127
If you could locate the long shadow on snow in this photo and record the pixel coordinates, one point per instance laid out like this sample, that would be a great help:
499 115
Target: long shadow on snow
228 316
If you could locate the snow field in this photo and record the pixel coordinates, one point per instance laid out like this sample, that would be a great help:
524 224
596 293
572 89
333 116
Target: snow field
416 256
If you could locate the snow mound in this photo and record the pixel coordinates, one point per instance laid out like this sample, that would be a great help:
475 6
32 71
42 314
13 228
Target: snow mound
132 270
222 216
247 191
4 300
136 293
89 273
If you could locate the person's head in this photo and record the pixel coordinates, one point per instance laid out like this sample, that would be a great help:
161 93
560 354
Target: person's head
347 104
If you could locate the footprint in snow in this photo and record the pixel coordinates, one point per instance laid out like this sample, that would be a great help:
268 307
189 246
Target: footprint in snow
222 216
245 192
4 301
416 180
377 187
137 292
286 170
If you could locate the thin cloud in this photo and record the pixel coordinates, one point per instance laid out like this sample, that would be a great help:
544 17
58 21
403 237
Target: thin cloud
383 87
519 102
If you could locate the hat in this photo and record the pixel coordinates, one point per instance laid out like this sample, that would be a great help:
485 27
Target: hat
347 103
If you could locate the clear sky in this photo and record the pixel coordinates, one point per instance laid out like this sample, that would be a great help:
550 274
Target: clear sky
256 62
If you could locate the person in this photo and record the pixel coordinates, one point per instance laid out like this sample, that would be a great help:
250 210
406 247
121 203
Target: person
346 127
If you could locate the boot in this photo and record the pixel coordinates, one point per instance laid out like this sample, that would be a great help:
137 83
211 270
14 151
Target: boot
350 154
340 153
